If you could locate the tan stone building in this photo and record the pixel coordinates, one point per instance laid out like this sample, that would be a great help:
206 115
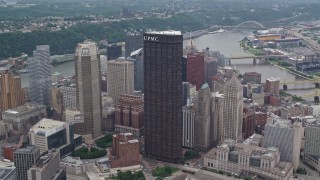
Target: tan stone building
120 78
11 94
203 138
87 69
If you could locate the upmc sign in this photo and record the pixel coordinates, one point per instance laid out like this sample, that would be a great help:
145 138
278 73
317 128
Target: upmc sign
150 38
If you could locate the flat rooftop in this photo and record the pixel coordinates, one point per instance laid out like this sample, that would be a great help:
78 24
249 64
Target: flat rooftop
47 127
5 171
24 108
169 32
28 149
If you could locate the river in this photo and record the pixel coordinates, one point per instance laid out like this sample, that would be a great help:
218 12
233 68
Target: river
228 44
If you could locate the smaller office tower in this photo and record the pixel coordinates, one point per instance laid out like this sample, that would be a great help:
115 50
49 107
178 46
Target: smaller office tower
286 136
48 134
40 75
11 94
47 167
114 51
195 69
129 115
133 42
69 94
272 86
185 92
203 140
188 115
125 150
120 78
252 77
137 58
24 159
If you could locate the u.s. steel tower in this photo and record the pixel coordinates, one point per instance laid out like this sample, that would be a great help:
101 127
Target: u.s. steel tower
163 95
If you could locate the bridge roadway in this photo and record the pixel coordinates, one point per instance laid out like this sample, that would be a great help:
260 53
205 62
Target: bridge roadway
258 57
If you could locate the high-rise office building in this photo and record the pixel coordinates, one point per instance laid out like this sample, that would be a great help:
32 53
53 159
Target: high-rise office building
57 104
248 124
185 92
120 78
40 75
188 115
24 159
129 115
195 69
69 94
286 136
230 123
137 58
87 70
311 147
11 94
133 42
162 95
203 138
47 167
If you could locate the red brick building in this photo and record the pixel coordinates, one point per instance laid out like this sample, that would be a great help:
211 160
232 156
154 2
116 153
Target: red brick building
125 150
251 77
261 121
248 124
8 152
195 69
272 86
272 100
129 115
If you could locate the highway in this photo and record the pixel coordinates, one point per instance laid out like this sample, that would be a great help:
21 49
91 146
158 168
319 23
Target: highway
309 42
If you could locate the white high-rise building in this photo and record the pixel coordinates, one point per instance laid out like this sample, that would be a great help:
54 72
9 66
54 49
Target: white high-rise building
120 78
230 109
40 75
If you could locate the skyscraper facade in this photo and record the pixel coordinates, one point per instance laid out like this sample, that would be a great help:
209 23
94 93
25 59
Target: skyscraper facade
162 95
25 158
87 68
203 140
195 69
129 115
230 123
11 94
40 75
120 78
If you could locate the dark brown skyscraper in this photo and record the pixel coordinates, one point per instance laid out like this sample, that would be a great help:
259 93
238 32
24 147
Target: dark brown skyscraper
162 95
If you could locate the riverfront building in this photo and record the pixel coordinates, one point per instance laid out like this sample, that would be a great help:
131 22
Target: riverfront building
11 94
163 95
87 68
40 75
